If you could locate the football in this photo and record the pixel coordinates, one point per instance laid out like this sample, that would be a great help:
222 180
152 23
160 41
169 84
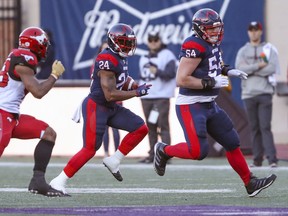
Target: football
130 84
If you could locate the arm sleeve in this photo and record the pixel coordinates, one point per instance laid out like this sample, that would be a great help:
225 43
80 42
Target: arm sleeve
169 71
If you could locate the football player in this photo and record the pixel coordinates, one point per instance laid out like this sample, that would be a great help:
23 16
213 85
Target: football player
99 108
17 78
200 76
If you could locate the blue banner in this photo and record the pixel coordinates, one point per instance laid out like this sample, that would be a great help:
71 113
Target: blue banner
80 26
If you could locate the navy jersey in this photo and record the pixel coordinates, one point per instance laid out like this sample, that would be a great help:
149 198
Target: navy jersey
109 61
210 65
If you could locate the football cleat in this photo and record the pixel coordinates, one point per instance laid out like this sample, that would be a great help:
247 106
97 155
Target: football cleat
273 165
256 185
39 186
160 158
58 185
50 192
113 166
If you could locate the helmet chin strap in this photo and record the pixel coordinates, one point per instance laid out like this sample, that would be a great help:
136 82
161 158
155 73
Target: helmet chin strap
122 54
113 50
210 39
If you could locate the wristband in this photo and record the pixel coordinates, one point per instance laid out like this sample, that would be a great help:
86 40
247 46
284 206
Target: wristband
225 70
208 82
54 76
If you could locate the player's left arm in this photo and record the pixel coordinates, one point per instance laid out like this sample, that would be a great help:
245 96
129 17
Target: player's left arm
227 71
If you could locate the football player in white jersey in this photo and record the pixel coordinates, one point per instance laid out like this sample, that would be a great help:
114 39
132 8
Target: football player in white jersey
17 78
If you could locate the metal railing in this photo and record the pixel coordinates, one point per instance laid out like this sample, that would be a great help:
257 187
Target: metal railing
10 26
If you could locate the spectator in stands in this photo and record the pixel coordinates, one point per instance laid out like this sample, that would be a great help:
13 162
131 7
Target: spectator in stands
260 61
158 67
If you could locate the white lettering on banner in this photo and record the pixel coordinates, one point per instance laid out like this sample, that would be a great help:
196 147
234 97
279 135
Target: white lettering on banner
98 22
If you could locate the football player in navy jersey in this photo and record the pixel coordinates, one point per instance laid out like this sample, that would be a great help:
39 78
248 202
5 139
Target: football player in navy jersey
100 107
17 78
201 74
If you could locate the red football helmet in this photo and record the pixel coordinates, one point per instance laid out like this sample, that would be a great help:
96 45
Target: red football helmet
207 24
36 40
122 40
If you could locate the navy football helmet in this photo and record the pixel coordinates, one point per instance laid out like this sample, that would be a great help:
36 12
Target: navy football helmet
207 24
122 40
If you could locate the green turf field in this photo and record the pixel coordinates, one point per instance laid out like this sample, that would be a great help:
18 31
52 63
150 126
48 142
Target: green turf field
208 182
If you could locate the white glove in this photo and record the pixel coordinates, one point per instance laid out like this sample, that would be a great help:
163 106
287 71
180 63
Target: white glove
237 73
221 81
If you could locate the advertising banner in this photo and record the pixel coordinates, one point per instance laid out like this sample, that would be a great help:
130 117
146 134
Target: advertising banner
80 26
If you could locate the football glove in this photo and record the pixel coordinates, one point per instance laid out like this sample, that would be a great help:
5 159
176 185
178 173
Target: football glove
57 69
228 71
215 82
221 81
142 90
237 73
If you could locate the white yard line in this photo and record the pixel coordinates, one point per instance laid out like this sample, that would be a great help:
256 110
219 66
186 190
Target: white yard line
128 190
145 166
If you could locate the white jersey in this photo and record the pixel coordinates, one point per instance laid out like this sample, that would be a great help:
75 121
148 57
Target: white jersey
12 92
12 96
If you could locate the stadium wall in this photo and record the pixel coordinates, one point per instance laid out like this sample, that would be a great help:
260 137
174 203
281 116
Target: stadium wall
57 107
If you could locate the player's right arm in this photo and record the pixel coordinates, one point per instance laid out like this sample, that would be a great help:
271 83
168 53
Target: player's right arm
33 85
185 69
192 53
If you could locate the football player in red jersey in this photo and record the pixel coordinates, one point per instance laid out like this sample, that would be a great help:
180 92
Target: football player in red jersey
17 78
200 76
100 107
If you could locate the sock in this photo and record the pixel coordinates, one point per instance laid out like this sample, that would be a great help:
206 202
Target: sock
119 155
77 161
238 163
42 155
179 150
38 182
62 177
38 174
132 139
59 182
